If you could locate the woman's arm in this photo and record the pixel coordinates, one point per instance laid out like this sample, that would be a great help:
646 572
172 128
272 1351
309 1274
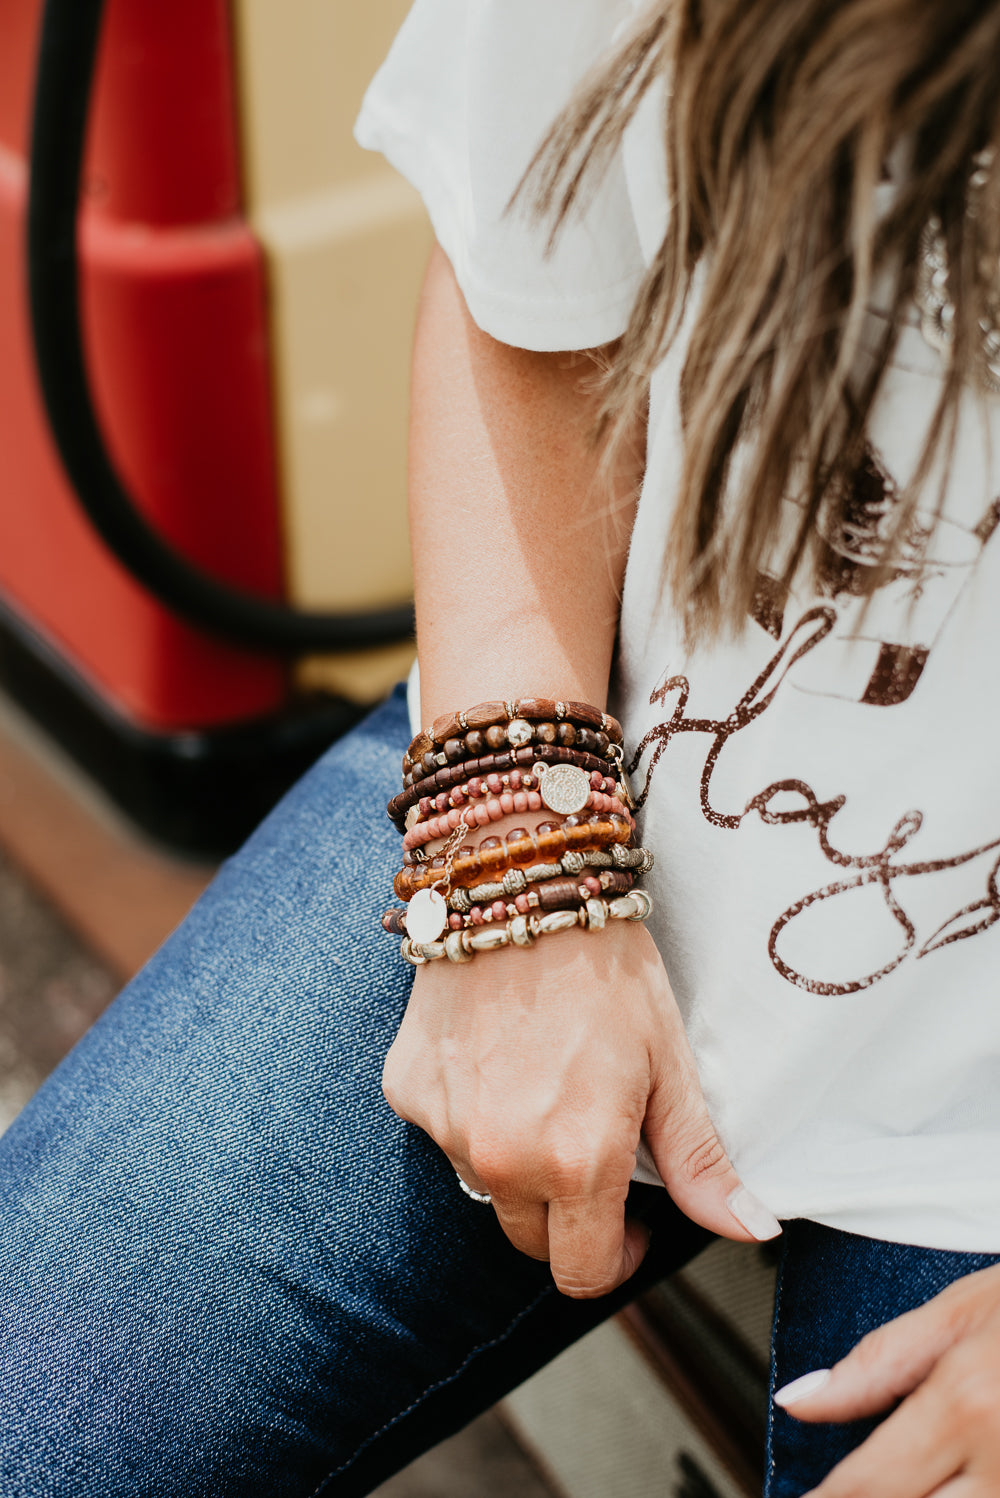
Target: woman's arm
536 1070
519 546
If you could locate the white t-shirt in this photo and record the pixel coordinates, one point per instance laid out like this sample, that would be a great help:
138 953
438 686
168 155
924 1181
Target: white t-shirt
822 795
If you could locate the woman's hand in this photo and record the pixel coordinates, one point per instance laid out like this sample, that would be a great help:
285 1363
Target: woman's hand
943 1361
536 1072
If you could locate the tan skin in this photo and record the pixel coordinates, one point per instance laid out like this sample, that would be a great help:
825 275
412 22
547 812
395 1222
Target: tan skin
536 1071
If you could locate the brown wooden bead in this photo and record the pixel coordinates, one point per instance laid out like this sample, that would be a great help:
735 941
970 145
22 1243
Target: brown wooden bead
496 737
475 742
559 894
545 733
601 745
430 762
485 714
454 750
566 735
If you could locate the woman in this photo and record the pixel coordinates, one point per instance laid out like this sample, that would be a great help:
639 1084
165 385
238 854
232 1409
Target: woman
228 1267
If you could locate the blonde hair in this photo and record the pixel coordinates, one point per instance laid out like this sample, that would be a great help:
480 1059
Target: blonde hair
780 118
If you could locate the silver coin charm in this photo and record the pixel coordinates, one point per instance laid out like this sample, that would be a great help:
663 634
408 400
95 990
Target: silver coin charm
564 788
426 916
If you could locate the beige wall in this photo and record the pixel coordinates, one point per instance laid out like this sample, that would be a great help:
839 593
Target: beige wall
346 242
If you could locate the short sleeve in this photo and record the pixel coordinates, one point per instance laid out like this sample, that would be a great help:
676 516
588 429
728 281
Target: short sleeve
459 107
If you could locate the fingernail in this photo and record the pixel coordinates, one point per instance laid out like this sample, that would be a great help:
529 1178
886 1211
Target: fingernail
752 1214
801 1388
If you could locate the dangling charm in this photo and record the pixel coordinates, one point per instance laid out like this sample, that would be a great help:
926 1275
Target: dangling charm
617 754
426 916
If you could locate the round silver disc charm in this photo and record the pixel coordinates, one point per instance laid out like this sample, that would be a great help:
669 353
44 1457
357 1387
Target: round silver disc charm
564 788
426 916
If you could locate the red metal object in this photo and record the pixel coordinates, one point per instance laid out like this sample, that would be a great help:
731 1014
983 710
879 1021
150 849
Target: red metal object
174 304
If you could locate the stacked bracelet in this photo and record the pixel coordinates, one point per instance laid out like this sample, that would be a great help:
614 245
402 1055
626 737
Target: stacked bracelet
489 764
483 765
495 855
559 894
524 930
501 725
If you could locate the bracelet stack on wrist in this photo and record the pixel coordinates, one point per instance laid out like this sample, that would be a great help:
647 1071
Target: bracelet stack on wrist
484 765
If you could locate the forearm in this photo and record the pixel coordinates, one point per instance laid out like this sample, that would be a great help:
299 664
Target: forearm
519 540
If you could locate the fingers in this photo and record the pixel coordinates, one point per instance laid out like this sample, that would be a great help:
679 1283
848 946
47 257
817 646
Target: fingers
592 1247
913 1454
694 1166
884 1367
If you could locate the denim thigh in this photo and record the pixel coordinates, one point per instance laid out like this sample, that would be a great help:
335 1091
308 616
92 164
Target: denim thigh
225 1266
833 1289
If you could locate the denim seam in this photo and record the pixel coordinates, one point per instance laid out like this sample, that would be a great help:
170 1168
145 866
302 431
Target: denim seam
442 1383
769 1480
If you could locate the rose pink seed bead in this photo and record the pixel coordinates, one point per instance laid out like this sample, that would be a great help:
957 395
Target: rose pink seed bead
521 902
476 915
499 910
515 780
593 885
455 921
507 803
521 801
441 802
495 810
596 780
452 819
424 806
482 816
495 784
475 787
458 796
534 801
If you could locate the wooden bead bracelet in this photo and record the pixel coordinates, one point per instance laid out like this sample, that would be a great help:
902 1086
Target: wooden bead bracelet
562 894
489 764
636 861
525 713
524 930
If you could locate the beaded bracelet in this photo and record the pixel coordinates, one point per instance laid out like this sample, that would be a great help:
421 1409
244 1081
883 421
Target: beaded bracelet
524 930
562 894
515 735
637 861
500 718
488 764
480 787
494 811
495 855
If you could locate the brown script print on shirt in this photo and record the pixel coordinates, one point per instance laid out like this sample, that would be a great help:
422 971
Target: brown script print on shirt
898 666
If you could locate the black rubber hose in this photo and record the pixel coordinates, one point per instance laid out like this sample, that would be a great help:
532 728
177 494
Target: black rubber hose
69 37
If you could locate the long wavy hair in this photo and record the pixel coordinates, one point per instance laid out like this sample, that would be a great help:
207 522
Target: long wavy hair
780 118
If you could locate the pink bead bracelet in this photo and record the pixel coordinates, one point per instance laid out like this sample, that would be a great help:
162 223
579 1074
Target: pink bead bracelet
493 811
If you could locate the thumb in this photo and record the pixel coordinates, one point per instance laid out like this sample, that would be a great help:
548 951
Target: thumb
882 1369
695 1168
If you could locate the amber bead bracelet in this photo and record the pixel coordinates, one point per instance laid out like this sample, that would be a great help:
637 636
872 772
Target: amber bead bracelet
496 855
497 718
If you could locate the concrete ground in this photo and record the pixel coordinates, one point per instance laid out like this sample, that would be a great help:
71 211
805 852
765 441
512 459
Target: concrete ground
51 989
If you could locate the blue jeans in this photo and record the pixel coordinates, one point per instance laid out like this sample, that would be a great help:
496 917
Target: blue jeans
226 1268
